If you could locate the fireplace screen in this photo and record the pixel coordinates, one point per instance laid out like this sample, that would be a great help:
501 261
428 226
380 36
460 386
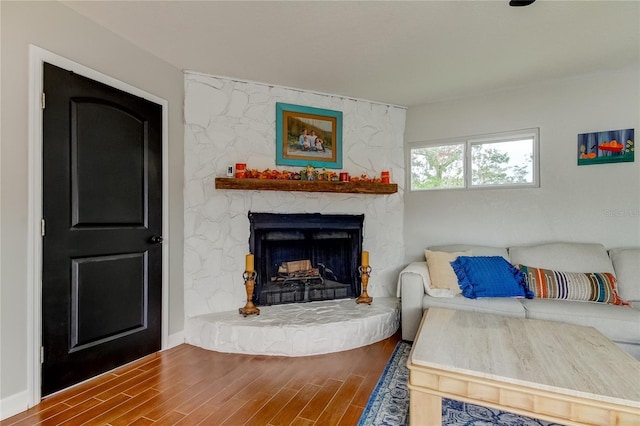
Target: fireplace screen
305 257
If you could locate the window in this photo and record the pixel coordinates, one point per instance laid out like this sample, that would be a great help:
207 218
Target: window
508 159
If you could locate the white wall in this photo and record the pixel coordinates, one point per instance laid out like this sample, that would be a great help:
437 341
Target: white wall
229 122
598 203
54 27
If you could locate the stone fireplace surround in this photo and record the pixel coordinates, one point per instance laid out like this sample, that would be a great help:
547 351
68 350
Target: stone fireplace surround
301 329
227 121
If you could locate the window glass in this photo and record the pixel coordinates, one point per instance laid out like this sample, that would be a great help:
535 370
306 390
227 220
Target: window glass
502 163
436 167
500 159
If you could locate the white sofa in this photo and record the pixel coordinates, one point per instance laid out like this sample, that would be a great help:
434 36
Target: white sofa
621 324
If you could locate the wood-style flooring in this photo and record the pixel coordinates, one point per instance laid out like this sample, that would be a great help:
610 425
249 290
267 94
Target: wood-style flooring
187 385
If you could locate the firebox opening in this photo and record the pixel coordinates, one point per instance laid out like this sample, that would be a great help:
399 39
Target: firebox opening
305 257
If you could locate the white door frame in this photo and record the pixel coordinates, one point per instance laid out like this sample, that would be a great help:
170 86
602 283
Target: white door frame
37 57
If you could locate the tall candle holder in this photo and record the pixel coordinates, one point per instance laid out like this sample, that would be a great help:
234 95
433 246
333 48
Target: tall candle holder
364 271
249 283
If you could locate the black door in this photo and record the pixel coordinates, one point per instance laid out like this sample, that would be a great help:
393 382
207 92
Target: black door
102 203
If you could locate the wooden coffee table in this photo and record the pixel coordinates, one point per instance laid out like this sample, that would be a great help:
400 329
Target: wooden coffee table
542 369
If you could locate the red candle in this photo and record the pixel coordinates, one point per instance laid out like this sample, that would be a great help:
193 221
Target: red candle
241 169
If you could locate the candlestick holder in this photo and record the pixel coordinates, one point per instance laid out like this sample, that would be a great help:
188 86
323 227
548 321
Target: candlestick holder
249 283
364 271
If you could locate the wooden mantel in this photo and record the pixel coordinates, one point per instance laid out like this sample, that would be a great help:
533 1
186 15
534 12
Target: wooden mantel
306 186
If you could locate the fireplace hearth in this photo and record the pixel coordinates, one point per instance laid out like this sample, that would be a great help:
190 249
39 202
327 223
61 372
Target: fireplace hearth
305 257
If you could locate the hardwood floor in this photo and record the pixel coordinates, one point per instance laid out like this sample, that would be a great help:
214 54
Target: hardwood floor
187 385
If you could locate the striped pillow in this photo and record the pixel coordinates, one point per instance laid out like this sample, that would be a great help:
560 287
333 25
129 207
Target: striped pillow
580 286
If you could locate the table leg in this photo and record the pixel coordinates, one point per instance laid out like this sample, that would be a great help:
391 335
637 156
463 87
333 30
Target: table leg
425 409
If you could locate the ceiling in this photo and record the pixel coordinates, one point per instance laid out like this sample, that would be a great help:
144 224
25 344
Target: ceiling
397 52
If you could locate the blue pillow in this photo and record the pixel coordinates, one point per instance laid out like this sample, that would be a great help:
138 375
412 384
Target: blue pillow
489 276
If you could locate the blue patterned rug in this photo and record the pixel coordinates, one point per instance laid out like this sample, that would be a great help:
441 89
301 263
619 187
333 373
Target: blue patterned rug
388 405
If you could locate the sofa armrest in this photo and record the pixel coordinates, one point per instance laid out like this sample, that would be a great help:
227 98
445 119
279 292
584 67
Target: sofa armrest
417 270
411 290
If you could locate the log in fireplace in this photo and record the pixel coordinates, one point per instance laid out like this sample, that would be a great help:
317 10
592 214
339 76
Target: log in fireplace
304 257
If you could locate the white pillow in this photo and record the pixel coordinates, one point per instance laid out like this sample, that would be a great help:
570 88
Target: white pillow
444 282
626 262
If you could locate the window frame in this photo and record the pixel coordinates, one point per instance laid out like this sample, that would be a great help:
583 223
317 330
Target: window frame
467 143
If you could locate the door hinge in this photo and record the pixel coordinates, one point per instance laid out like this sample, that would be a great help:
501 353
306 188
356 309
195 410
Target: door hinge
41 354
42 227
42 101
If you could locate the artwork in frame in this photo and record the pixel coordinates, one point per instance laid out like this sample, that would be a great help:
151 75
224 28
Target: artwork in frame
308 136
612 146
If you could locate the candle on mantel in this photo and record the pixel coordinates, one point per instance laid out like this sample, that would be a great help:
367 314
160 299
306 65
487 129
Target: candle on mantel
365 259
249 263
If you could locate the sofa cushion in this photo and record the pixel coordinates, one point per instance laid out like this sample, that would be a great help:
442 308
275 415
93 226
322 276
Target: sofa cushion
493 305
579 286
618 323
475 250
489 276
440 270
626 262
567 257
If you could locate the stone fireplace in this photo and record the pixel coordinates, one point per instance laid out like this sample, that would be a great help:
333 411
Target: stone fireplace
305 257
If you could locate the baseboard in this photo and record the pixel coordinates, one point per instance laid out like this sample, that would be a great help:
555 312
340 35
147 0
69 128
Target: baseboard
14 404
175 339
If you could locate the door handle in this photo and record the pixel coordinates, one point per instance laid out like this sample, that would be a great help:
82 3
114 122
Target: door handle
155 239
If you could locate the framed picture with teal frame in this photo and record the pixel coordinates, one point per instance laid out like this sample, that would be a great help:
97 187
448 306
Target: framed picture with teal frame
611 146
308 136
